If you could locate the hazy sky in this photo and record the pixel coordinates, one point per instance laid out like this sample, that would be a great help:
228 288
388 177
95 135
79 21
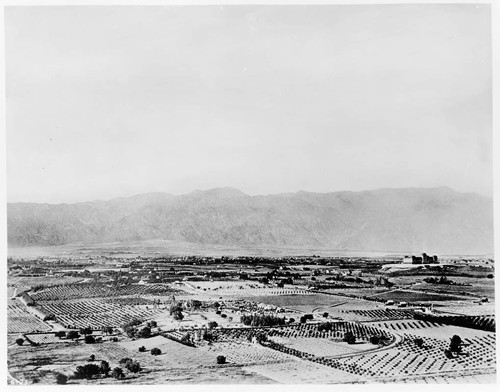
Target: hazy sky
114 101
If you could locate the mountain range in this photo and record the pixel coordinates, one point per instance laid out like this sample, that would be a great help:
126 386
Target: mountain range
410 220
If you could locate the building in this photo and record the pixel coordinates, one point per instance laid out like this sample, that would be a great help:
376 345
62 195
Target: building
424 259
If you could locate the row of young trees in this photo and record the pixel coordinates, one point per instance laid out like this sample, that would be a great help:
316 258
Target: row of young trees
262 320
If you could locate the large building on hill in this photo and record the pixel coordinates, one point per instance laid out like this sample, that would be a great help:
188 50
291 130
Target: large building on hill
424 259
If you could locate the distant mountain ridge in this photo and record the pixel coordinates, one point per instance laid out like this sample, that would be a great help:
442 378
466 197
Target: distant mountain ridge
438 220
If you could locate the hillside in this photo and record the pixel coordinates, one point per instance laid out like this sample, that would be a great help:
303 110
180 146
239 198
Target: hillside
437 220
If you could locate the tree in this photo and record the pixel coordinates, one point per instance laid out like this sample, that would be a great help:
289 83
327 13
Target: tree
155 351
125 361
175 307
89 339
61 378
349 337
221 359
86 331
325 315
419 342
212 324
142 349
107 330
87 371
130 331
60 334
19 341
186 339
73 335
105 368
374 340
92 358
144 333
118 373
178 315
456 344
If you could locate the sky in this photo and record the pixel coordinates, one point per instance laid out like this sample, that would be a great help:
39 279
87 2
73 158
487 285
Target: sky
104 102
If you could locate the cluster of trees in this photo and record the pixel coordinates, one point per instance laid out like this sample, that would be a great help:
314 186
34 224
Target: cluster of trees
325 327
212 324
436 280
349 337
132 331
261 320
176 311
90 370
259 337
305 317
107 330
476 322
131 365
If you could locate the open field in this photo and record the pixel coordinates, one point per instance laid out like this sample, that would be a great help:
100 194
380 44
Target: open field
414 296
194 318
301 303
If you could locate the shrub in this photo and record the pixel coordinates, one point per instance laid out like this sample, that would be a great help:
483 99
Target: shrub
61 378
221 359
19 341
155 351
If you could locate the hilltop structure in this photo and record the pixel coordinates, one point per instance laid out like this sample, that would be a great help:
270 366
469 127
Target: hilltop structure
425 259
